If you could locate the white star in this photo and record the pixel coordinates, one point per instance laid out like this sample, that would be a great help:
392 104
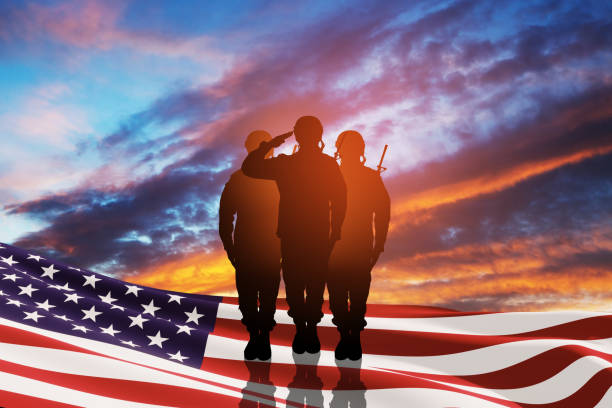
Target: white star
177 356
63 317
90 314
175 298
32 316
107 299
9 261
157 340
27 290
72 298
137 321
49 271
44 305
12 277
81 328
66 287
193 316
150 308
184 329
37 257
14 302
2 293
91 280
129 343
109 330
132 289
118 307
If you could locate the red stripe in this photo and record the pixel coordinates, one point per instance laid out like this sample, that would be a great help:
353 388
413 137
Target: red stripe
14 335
382 310
596 386
135 391
409 343
15 400
588 396
524 374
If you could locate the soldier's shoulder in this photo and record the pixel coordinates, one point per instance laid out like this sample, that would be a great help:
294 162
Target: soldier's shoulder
329 159
371 172
236 176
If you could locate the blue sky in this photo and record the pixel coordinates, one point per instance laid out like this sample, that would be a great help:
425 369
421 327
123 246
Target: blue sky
121 121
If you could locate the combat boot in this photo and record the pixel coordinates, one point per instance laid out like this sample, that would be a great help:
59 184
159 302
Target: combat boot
342 349
299 341
251 349
313 345
265 351
355 351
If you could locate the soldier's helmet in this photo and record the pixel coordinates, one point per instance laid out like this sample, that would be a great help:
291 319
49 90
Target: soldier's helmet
350 143
255 138
308 130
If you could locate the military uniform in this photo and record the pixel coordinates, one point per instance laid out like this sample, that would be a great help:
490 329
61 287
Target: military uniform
350 262
255 245
311 208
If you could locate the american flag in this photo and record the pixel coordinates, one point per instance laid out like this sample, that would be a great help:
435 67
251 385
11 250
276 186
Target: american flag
72 337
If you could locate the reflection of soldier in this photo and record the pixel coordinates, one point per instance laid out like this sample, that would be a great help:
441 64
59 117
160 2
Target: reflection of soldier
311 210
350 390
259 391
254 249
306 387
356 253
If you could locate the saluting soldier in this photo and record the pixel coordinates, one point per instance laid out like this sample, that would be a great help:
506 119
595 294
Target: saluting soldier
311 211
354 256
253 248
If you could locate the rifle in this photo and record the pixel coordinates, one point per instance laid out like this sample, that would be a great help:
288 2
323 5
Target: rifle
380 167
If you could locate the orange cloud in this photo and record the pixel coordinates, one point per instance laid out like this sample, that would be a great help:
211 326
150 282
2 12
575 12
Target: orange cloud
209 273
487 183
535 273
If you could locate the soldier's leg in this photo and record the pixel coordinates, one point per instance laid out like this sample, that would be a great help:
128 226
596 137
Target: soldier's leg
247 296
247 303
293 275
359 291
268 292
315 288
360 288
337 286
294 279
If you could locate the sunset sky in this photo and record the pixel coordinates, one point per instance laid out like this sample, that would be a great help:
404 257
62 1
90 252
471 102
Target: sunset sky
121 121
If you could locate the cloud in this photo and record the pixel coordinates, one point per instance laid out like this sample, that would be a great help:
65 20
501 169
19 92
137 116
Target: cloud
499 143
93 24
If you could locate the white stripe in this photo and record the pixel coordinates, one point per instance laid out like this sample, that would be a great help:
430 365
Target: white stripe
128 354
76 363
70 362
495 324
606 401
558 387
40 389
480 361
395 398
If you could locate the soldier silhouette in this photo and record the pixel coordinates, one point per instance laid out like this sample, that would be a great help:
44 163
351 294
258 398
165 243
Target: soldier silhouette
311 210
253 248
354 256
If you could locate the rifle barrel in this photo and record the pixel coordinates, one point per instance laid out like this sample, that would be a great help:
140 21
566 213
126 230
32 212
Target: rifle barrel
380 166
